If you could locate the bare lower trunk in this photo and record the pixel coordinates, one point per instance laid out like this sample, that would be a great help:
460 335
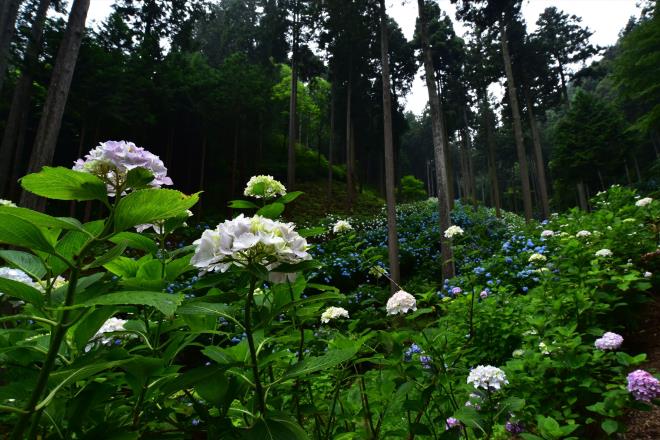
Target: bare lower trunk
331 145
202 171
582 196
350 189
517 126
538 155
20 102
392 238
7 28
492 164
293 103
438 146
58 92
234 161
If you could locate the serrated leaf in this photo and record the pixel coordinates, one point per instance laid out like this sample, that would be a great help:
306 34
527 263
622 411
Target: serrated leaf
312 364
18 232
272 210
135 241
110 255
242 204
61 183
166 303
28 263
22 291
151 205
42 220
290 197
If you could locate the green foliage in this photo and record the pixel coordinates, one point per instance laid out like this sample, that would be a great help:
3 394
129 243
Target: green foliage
411 189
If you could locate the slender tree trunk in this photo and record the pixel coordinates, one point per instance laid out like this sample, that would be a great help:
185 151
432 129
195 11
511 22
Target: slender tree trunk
438 145
234 161
9 12
637 170
538 154
331 144
562 78
468 152
392 237
81 147
625 165
517 126
58 91
202 171
350 189
21 98
293 104
492 164
582 196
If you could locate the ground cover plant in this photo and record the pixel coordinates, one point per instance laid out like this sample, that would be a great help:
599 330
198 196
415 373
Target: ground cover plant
113 329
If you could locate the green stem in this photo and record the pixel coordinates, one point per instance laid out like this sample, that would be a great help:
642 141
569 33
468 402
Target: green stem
328 431
261 403
30 317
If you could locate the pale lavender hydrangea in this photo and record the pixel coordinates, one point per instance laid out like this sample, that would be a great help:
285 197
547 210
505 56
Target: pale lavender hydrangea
514 427
452 422
643 386
400 303
609 341
112 160
483 294
456 290
487 377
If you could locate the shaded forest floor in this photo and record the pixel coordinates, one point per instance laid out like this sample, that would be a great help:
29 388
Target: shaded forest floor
645 425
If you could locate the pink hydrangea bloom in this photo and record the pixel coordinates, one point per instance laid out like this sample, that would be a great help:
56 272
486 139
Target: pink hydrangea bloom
643 386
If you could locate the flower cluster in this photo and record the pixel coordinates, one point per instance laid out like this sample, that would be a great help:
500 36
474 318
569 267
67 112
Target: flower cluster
333 313
643 386
453 231
609 341
245 240
400 303
547 233
452 422
487 377
413 349
643 202
112 160
583 234
264 187
18 275
341 226
377 271
604 253
537 258
112 325
9 203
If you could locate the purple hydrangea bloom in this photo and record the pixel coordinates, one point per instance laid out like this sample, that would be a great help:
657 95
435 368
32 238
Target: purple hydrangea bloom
456 290
413 349
514 427
609 341
426 361
452 422
483 294
112 160
643 386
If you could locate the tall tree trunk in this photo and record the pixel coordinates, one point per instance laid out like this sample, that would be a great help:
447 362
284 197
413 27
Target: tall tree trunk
538 154
8 14
492 164
562 78
350 189
331 144
20 102
58 91
517 126
202 171
81 149
234 160
392 237
582 196
438 146
472 185
293 104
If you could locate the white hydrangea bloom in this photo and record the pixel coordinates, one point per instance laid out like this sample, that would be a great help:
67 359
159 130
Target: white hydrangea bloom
9 203
341 226
604 253
643 202
377 271
18 275
271 187
543 347
537 258
333 313
547 233
648 274
453 231
401 302
487 377
110 326
583 234
112 160
246 240
57 282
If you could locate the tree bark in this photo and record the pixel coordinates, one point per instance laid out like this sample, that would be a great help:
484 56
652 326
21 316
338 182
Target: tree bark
331 144
234 160
492 164
392 237
438 145
538 154
517 126
21 98
8 15
293 103
58 91
582 196
350 189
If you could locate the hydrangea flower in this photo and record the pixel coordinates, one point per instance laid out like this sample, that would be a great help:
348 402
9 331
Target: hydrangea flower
333 313
537 258
341 226
456 290
648 274
487 377
643 202
426 361
400 303
112 160
604 253
543 347
609 341
9 203
413 349
246 240
643 386
110 326
264 187
583 234
377 271
18 275
452 422
453 231
483 294
514 427
547 233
